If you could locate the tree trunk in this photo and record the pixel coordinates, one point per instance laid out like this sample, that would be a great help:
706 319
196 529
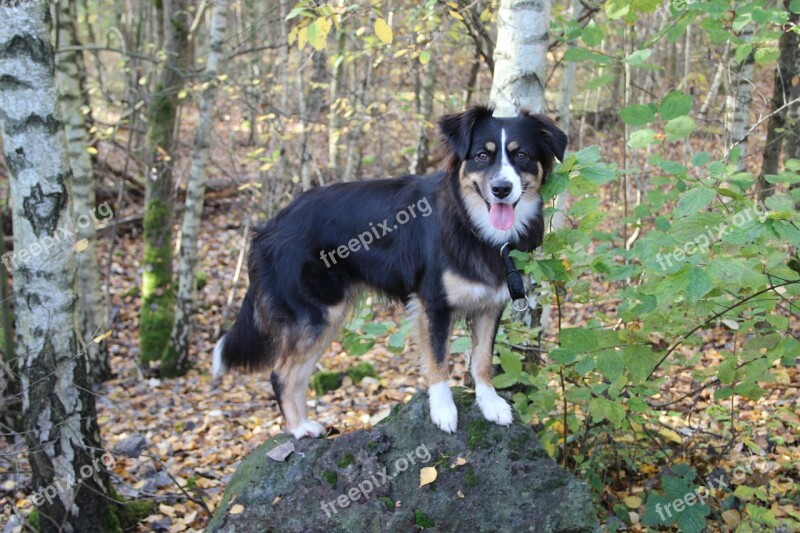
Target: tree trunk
739 100
520 56
426 79
158 300
177 362
71 76
520 72
781 95
59 411
334 122
792 140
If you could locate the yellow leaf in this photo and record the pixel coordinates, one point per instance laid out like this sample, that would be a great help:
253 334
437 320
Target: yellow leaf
670 435
302 37
92 150
101 338
318 33
633 502
383 31
427 475
456 15
81 245
293 35
236 509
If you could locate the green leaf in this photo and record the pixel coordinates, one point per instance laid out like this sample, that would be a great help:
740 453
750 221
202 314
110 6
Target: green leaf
726 371
563 357
460 345
698 284
637 115
578 339
639 360
600 81
510 362
602 409
694 201
675 104
642 138
638 57
592 35
691 227
767 55
743 51
503 381
794 6
678 128
610 364
616 9
582 54
424 57
397 342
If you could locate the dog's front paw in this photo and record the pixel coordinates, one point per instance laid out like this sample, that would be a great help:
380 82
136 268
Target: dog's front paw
443 410
494 408
307 428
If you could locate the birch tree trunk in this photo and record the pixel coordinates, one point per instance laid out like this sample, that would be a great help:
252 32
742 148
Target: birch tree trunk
58 409
520 56
158 301
334 121
520 72
177 360
792 141
740 97
71 76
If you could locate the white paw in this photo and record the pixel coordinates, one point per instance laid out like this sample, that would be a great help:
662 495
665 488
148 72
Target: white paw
443 410
494 408
307 428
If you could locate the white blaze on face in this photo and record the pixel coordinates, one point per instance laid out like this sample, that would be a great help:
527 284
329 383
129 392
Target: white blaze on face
501 210
508 172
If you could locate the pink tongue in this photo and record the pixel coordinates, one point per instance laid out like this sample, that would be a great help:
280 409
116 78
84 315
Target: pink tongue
501 216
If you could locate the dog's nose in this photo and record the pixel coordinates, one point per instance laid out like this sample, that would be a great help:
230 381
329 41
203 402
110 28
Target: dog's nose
502 189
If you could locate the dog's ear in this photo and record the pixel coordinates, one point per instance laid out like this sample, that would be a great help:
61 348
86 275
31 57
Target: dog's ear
549 137
457 132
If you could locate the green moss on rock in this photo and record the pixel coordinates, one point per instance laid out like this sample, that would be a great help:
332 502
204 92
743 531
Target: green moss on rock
323 382
330 477
422 520
360 371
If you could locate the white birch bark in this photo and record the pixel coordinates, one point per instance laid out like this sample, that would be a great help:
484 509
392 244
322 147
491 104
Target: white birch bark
61 429
739 99
187 266
520 56
70 73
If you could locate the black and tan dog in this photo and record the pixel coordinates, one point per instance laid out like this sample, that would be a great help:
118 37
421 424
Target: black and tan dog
431 242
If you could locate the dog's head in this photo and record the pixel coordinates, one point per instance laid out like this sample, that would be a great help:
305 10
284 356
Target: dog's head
500 165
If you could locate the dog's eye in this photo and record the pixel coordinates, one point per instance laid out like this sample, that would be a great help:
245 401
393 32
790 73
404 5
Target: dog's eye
521 156
482 156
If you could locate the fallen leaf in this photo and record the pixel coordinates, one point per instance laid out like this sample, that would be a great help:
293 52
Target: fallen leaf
427 475
236 509
460 494
281 451
633 502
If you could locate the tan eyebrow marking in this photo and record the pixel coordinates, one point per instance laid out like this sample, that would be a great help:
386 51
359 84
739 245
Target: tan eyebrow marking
513 146
492 147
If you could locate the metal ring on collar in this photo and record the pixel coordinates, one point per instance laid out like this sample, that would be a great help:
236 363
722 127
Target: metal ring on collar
520 310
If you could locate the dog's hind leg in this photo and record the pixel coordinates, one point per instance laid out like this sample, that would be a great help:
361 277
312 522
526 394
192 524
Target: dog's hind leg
433 329
483 326
292 373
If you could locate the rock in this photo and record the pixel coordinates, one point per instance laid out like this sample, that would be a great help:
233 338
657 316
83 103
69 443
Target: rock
488 478
131 446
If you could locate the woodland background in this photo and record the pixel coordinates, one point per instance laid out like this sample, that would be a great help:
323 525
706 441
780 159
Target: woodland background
663 354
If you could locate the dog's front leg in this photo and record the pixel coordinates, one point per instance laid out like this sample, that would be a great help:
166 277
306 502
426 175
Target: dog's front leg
434 323
483 325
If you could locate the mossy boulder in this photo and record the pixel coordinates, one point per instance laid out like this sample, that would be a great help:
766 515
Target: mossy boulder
489 478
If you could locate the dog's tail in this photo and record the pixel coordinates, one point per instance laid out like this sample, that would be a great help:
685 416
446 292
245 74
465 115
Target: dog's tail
244 346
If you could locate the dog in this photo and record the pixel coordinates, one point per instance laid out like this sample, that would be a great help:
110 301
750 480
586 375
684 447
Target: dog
432 242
